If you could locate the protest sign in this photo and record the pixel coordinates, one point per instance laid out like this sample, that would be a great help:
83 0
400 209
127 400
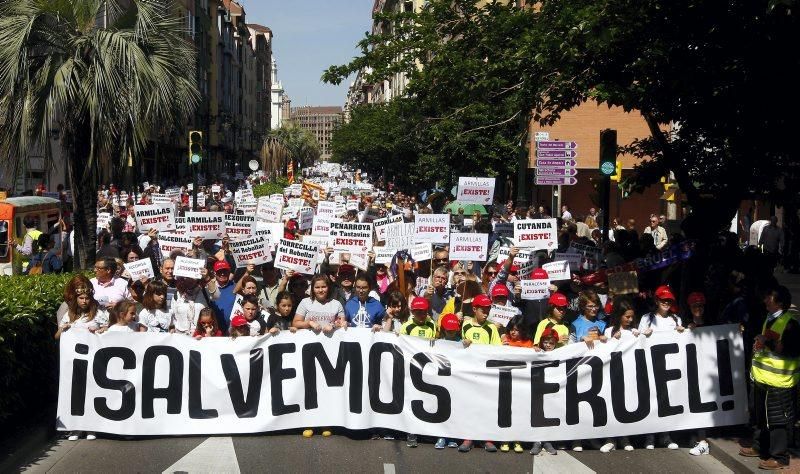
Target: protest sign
201 199
574 259
269 211
140 269
622 283
352 203
359 260
208 225
276 198
239 225
306 218
248 207
351 237
298 256
400 236
341 211
326 208
434 228
321 242
468 247
180 225
557 270
380 226
272 231
536 234
537 287
296 202
160 198
362 380
253 250
103 219
171 241
322 224
160 217
290 212
384 255
504 229
475 190
523 257
500 314
189 267
421 252
216 188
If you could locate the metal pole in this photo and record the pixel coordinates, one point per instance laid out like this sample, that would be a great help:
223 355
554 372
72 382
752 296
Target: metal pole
557 210
194 187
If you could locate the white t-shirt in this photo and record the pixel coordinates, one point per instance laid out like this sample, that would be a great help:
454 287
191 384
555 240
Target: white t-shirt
132 327
185 311
624 333
326 313
659 323
157 320
80 324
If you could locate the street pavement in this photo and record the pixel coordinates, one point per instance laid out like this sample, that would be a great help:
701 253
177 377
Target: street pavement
293 453
353 452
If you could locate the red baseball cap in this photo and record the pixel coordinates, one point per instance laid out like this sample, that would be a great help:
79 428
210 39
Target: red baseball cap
549 333
558 300
450 322
481 301
664 292
238 321
696 298
221 265
500 290
420 303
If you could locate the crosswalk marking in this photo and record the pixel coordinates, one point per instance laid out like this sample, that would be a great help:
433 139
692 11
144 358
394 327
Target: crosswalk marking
214 455
388 468
558 464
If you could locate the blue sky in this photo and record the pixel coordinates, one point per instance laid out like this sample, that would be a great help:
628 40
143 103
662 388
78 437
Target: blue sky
311 35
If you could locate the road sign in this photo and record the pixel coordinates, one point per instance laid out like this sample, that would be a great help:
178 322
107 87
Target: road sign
556 153
556 172
540 136
556 145
555 163
555 180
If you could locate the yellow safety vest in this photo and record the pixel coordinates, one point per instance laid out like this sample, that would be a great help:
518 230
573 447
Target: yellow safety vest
774 370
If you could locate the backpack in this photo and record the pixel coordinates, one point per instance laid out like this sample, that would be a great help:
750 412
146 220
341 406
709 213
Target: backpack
36 268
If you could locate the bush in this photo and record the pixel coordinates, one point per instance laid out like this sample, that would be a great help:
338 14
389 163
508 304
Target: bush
272 187
28 352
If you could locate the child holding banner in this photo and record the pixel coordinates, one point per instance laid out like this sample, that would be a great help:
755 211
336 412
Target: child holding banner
548 341
122 317
155 315
281 316
419 325
207 325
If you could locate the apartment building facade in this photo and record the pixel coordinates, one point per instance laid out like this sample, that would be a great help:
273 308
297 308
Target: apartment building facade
321 122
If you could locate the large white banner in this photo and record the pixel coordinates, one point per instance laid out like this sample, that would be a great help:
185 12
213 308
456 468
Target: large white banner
169 384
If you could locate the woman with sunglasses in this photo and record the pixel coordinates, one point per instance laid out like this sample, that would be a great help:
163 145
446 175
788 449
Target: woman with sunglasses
487 275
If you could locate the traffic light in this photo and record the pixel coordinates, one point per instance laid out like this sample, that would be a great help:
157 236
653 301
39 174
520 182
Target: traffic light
608 152
195 147
618 174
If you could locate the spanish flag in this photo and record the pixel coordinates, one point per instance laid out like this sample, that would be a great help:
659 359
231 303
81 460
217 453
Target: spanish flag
290 172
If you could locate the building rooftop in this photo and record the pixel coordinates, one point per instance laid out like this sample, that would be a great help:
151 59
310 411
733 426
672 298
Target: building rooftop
317 110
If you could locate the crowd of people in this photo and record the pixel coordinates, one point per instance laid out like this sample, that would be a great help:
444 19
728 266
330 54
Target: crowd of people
433 299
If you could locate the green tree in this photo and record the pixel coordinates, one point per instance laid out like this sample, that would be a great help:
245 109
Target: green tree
462 61
101 73
299 145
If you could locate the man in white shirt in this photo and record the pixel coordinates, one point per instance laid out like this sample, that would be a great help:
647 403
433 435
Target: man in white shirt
108 290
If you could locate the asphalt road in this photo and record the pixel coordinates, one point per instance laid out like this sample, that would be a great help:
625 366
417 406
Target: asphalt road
292 453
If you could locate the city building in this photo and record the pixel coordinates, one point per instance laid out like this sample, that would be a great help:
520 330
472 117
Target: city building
278 97
320 121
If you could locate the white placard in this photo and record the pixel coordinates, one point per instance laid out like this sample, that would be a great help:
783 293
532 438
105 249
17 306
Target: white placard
434 228
189 267
326 208
272 231
322 224
468 247
169 242
557 270
140 268
380 225
276 198
238 226
297 202
475 190
352 204
501 315
156 216
535 289
248 207
351 237
208 225
290 212
422 251
384 255
215 188
161 198
103 220
180 225
400 236
523 257
295 255
253 250
536 234
201 199
306 218
341 210
574 259
359 260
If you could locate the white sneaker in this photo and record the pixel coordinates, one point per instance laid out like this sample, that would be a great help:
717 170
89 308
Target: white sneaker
628 447
608 447
73 437
650 446
672 445
700 448
90 437
577 447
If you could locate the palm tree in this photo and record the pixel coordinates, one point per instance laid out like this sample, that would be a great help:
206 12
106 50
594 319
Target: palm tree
290 142
100 72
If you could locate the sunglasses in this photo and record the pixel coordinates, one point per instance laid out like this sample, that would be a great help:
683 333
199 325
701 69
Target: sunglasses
491 273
